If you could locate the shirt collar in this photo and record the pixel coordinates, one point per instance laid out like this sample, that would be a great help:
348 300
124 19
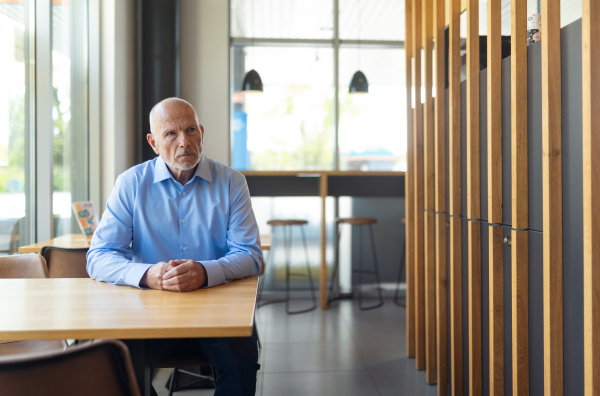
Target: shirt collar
161 171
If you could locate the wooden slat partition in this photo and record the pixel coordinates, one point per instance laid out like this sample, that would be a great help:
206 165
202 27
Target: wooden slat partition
494 169
519 193
419 218
429 174
454 209
552 198
473 199
409 191
440 199
591 194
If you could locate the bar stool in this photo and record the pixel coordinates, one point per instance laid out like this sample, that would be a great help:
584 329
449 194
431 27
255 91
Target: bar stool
287 245
359 222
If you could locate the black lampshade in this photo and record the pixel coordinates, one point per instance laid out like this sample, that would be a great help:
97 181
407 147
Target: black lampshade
359 83
252 82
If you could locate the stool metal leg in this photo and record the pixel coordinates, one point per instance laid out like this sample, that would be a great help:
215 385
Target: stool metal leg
332 297
308 275
397 299
259 302
376 266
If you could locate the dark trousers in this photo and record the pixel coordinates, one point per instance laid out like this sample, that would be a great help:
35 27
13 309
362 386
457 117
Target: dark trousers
235 361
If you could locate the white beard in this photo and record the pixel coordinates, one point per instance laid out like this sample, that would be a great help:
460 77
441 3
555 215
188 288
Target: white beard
181 167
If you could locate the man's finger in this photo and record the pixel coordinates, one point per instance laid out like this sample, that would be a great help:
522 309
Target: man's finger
178 270
180 287
175 263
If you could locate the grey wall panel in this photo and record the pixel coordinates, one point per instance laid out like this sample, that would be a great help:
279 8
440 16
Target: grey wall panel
506 175
507 316
483 144
534 132
572 209
485 308
463 147
465 305
536 314
447 151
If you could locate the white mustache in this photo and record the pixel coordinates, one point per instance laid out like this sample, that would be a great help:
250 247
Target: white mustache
185 152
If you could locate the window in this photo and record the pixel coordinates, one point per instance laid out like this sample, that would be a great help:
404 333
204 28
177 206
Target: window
305 119
43 49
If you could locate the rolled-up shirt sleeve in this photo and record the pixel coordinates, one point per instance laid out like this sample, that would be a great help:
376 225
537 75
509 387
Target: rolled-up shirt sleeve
109 258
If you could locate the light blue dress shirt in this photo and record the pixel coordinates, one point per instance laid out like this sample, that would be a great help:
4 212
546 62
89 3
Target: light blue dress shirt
150 217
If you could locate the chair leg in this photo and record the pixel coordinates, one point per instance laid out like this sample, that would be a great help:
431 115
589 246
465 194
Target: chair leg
173 381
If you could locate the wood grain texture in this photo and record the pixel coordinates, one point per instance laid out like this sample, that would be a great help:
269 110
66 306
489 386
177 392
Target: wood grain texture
419 186
78 308
429 201
441 263
496 310
520 312
552 198
473 164
454 151
323 239
440 200
519 187
409 190
456 354
474 295
440 106
69 241
454 207
591 194
494 112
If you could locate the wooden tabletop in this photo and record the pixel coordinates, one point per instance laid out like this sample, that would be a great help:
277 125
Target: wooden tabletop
76 241
35 309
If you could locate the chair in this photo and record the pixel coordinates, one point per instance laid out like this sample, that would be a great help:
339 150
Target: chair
26 266
360 223
65 262
94 369
287 245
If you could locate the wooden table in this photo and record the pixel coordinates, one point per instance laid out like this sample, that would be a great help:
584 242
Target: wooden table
76 241
325 184
47 309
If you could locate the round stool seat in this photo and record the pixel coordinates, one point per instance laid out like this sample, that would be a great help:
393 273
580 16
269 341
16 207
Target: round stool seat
286 222
357 220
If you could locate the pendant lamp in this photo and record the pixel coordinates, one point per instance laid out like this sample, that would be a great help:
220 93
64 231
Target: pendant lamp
359 83
252 82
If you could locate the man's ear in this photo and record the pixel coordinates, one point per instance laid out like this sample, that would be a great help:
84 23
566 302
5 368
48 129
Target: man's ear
152 142
201 133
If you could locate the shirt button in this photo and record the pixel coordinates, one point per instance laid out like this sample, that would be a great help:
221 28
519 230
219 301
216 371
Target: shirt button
184 194
183 220
184 248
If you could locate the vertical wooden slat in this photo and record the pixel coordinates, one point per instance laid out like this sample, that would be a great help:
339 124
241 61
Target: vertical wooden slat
323 273
494 157
518 112
496 285
520 221
454 209
520 313
429 174
591 194
552 198
473 198
409 190
419 218
440 198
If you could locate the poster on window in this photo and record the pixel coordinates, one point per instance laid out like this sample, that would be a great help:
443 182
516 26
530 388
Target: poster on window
86 217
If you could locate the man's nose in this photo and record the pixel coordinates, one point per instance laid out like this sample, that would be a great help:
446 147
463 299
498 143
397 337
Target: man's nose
183 140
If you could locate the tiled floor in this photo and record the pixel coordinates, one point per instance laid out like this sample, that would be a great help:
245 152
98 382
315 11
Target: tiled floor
340 351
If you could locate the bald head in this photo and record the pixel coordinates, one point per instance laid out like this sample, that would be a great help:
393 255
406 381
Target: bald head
167 108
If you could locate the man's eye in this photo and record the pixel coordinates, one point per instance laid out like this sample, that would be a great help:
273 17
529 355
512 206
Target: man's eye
170 133
191 129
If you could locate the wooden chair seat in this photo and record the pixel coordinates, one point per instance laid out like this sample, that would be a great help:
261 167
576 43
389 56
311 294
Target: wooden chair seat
357 220
9 348
286 222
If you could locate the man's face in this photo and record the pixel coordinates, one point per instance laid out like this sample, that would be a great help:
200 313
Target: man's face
177 136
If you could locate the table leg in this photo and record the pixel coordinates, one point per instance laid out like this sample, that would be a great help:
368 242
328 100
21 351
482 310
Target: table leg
323 274
138 349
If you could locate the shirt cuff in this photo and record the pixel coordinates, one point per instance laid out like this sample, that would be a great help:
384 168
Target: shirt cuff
135 274
214 273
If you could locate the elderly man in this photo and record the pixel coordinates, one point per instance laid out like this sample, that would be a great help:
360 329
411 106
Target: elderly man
179 222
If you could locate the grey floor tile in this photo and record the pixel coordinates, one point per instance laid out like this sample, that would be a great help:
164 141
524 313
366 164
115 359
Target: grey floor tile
282 358
344 383
397 382
309 331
